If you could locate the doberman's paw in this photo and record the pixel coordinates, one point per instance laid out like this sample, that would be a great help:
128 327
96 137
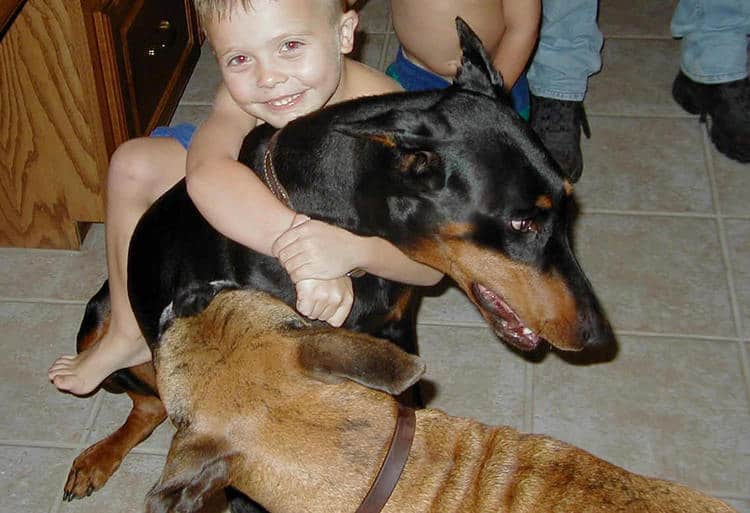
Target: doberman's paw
90 470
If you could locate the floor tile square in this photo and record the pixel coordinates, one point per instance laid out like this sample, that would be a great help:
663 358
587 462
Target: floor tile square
732 184
473 374
657 274
31 408
738 240
630 163
369 49
675 409
636 18
192 114
205 80
31 478
42 274
636 79
374 16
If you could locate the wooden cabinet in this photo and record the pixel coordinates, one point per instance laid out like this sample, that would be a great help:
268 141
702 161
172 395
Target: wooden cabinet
77 78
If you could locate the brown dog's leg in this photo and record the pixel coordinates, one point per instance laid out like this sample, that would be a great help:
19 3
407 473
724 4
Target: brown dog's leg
95 465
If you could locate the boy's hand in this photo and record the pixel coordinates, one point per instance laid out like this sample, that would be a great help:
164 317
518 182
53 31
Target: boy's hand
314 249
326 300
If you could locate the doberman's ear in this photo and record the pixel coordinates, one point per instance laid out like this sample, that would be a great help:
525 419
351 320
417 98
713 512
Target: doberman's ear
477 73
196 468
413 136
369 361
191 300
408 130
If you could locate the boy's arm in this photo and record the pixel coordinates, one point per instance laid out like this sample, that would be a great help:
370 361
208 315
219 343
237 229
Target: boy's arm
521 31
228 194
305 252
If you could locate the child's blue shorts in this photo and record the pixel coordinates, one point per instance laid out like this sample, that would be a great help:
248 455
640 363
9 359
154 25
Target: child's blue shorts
415 78
182 132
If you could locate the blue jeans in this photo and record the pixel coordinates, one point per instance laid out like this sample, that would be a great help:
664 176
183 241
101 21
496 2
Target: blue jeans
714 44
714 39
569 50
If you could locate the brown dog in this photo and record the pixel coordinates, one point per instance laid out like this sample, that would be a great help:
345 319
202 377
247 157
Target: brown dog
300 418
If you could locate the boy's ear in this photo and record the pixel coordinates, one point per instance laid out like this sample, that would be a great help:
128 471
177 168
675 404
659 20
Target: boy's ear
347 28
375 363
477 73
197 467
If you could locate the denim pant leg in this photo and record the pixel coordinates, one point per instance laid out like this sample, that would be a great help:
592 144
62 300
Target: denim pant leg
714 39
569 49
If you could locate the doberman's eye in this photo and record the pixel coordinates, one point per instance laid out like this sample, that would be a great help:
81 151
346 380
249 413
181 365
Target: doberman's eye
523 225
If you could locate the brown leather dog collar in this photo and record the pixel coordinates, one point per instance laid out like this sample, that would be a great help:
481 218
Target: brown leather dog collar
269 172
393 464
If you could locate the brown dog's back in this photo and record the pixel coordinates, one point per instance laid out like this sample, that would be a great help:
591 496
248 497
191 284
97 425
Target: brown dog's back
296 417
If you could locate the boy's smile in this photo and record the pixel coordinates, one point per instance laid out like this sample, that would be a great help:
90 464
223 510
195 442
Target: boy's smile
281 59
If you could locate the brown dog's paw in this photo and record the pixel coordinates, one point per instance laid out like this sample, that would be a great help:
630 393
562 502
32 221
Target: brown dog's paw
90 470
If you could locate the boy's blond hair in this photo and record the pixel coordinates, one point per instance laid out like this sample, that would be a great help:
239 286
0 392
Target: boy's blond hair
211 10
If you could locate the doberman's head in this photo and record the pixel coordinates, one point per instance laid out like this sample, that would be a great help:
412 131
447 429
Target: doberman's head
469 189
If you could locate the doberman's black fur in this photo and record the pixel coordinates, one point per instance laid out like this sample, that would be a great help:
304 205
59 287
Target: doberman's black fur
454 178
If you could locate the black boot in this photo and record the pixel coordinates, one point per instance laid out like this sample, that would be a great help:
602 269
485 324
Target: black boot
728 104
558 124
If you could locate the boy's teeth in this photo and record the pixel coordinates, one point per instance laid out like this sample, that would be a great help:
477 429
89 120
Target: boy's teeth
284 101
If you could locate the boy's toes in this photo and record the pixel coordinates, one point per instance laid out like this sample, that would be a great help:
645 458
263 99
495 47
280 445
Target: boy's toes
65 382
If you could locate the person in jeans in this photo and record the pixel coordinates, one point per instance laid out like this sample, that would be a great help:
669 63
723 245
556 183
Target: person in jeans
712 80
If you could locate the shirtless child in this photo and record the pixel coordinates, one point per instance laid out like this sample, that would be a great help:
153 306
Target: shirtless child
430 54
279 59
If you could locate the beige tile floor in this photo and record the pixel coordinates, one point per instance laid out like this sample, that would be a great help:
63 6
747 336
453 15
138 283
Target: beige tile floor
664 234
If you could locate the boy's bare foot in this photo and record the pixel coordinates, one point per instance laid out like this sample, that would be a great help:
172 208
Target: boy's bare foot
82 373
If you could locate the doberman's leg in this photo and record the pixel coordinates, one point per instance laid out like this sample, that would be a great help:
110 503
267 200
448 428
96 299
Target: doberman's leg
93 467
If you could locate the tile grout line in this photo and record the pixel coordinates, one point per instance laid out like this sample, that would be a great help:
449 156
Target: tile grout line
726 257
39 444
386 44
49 301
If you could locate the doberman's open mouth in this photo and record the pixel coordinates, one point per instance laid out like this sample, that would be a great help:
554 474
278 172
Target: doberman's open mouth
504 321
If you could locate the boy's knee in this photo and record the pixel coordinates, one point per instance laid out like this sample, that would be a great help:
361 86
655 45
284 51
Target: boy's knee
130 163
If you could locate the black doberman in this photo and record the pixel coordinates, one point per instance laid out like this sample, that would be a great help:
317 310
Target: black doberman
454 178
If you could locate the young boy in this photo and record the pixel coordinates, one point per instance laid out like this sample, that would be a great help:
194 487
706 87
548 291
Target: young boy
279 59
428 59
429 54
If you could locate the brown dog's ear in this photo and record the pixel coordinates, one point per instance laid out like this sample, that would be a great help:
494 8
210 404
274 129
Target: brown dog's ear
369 361
196 468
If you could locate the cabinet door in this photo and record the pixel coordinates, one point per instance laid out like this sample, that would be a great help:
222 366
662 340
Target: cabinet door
146 50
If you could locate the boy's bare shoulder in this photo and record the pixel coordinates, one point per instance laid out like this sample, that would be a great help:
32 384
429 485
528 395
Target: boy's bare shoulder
366 81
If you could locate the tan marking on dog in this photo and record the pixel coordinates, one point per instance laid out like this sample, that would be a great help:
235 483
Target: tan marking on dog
543 302
456 230
544 201
384 139
292 443
402 303
567 187
93 336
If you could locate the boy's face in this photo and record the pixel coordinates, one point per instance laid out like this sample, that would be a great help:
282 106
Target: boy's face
281 59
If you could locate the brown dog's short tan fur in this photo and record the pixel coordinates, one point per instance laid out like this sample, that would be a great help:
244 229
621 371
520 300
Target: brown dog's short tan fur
299 418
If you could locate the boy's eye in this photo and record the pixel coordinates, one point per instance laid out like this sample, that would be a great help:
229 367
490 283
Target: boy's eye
238 60
290 46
